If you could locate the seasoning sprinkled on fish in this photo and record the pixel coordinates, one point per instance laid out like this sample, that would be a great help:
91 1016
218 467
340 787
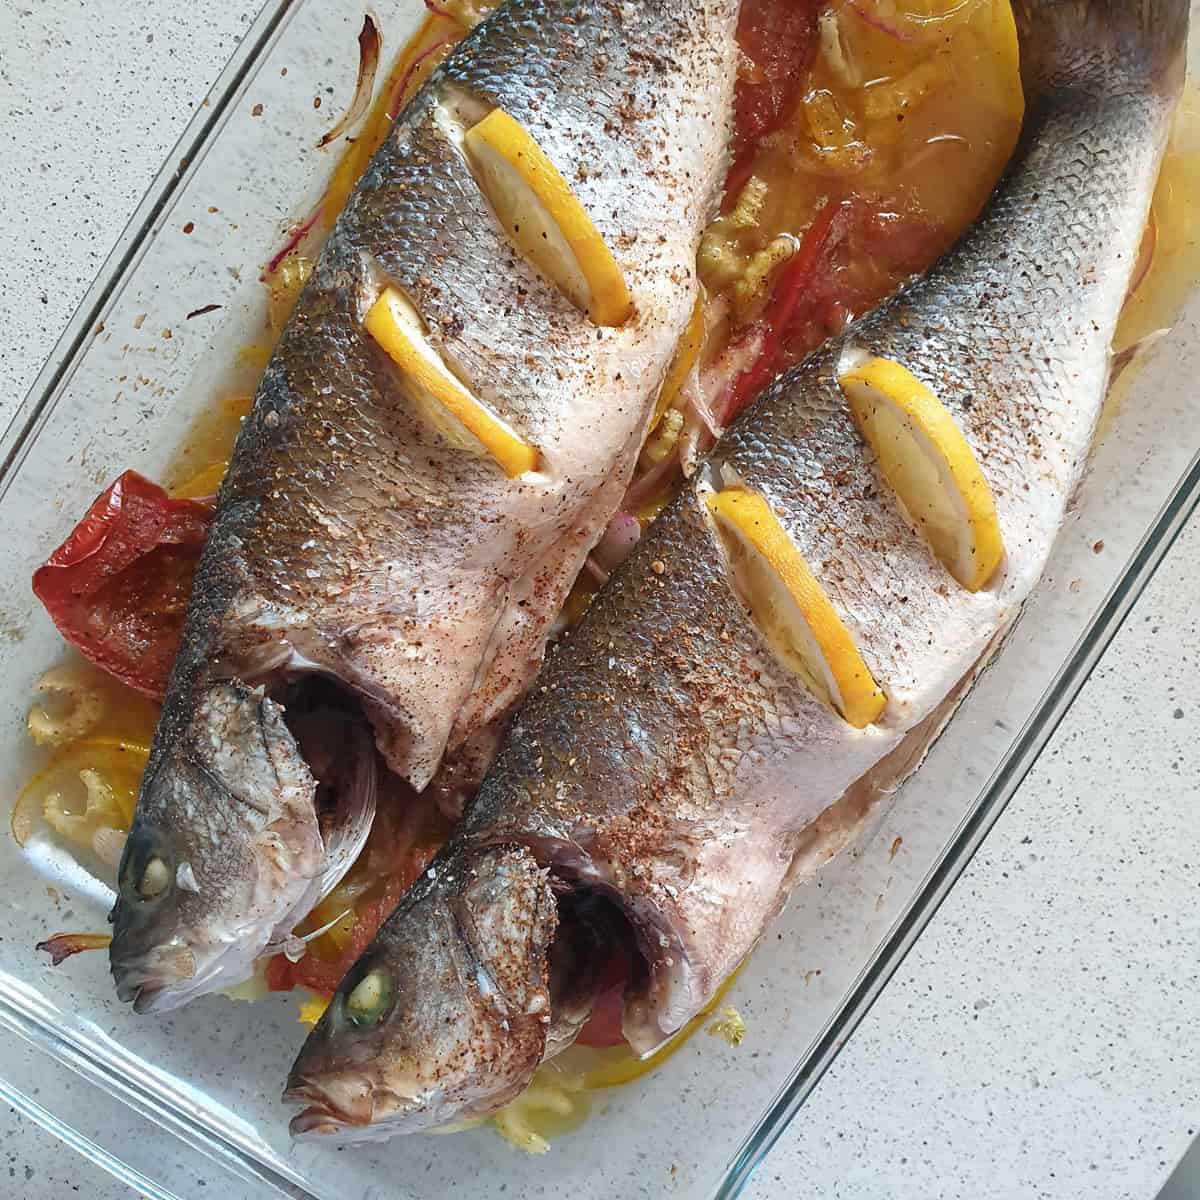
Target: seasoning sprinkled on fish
449 422
797 623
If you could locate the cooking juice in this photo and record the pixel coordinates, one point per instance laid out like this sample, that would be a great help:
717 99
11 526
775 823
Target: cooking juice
868 136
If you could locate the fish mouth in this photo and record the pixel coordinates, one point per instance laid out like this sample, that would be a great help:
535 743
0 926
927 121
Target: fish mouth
163 980
341 1107
321 1116
167 980
315 1121
161 986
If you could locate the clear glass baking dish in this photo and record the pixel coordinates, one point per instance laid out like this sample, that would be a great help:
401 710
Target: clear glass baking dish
120 392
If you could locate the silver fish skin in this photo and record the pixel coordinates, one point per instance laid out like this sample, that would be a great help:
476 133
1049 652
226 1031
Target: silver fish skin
354 540
666 763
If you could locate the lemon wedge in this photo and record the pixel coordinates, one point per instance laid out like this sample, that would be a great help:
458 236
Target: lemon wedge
395 324
790 608
686 354
544 218
928 464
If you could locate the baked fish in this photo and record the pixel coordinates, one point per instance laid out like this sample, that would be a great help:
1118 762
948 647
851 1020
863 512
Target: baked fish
448 423
783 631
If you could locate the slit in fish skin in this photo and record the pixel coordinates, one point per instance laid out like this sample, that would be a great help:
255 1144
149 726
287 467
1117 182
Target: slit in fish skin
663 759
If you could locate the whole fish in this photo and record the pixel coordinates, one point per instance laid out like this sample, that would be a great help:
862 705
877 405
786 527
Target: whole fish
669 779
359 537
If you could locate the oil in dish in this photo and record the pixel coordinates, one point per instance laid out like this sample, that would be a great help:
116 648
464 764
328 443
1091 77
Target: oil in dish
866 136
847 556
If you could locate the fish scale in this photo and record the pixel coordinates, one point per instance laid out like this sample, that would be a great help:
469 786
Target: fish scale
666 762
357 539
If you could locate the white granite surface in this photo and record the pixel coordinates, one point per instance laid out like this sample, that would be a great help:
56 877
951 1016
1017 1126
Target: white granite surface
1039 1040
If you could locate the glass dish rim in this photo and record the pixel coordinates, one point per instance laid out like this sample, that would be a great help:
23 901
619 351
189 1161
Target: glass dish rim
989 806
180 165
170 1112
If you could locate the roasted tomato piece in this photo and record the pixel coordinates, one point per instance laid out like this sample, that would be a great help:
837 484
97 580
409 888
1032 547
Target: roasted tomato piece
118 587
604 1025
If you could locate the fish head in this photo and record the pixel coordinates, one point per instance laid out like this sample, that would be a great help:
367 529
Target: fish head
446 1015
224 855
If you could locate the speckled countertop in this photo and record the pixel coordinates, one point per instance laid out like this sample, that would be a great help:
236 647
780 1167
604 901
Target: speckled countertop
1039 1041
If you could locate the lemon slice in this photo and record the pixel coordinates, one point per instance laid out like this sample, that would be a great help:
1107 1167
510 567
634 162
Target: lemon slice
396 326
686 353
790 608
928 464
545 219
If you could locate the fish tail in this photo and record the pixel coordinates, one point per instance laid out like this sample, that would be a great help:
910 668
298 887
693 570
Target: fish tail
1105 46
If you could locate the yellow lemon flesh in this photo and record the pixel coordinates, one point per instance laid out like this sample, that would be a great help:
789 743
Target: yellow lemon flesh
312 1010
686 354
396 326
791 609
928 464
544 218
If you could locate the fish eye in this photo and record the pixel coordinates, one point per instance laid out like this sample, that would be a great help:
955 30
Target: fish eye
369 997
156 875
146 871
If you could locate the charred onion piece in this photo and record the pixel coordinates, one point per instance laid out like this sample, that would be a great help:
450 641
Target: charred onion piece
369 43
62 945
199 312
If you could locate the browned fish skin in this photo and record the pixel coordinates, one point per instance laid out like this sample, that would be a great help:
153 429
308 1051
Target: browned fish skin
353 540
666 759
498 920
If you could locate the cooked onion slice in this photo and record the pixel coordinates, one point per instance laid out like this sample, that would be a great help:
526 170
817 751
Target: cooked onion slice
369 43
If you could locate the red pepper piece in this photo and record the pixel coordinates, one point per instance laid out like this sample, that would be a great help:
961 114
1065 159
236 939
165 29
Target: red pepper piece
778 39
792 289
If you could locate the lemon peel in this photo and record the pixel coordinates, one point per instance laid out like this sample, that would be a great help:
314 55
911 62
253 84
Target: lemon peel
790 608
929 465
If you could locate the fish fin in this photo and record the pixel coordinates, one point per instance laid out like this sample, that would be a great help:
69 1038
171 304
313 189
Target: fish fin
1107 45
